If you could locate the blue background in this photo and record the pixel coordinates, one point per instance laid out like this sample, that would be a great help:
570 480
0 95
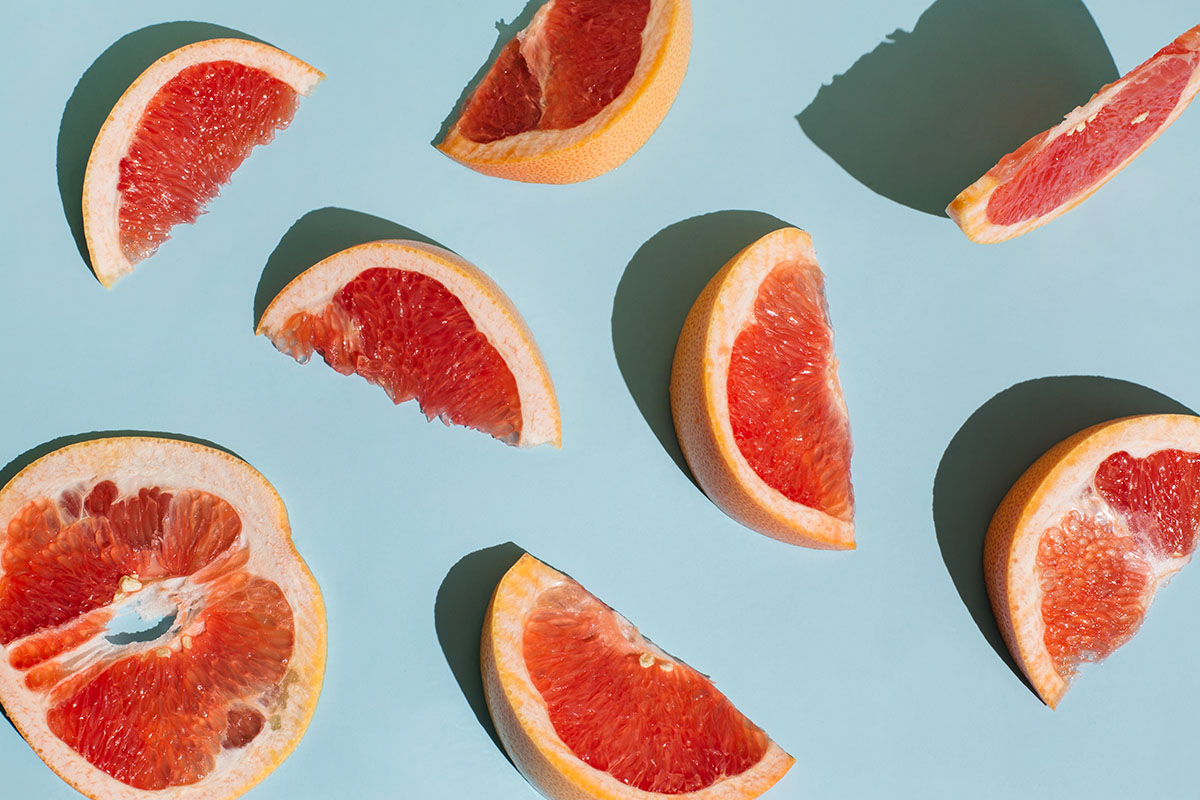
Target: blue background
880 670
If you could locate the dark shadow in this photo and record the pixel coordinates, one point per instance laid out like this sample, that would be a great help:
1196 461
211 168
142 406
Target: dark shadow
98 91
655 293
995 446
10 470
925 114
505 31
316 236
458 614
148 635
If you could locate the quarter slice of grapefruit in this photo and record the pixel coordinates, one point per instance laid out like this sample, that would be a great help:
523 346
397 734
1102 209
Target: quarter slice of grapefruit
424 324
1081 543
1060 168
577 92
175 137
587 708
159 634
756 399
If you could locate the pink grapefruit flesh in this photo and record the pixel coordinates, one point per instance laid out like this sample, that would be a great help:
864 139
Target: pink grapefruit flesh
404 331
198 128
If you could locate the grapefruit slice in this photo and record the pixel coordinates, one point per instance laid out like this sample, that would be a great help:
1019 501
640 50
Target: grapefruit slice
577 92
1060 168
422 323
159 634
175 137
756 400
1081 543
588 708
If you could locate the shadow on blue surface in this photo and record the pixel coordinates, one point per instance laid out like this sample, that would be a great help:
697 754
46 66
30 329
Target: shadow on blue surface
316 236
458 613
991 451
925 114
654 295
98 91
504 32
12 468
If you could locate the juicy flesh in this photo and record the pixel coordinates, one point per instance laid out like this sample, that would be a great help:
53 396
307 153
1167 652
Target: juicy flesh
194 133
625 707
1042 176
784 403
560 72
151 714
404 331
1097 566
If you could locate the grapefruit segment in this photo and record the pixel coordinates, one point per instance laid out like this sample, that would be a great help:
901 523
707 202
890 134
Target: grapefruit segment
1060 168
423 324
126 672
756 400
1079 546
575 93
175 137
589 708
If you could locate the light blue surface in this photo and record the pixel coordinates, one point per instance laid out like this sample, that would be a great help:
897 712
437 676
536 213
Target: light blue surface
867 666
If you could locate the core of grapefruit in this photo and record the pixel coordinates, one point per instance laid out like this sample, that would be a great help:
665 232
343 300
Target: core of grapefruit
159 634
756 400
175 137
587 707
575 93
1084 539
1060 168
424 324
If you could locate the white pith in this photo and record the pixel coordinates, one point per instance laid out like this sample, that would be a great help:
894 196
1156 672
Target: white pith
490 309
102 200
732 312
1070 486
133 464
537 143
973 219
515 600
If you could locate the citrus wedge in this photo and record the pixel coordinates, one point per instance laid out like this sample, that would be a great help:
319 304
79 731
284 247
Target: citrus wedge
159 634
422 323
756 400
1081 543
575 93
175 137
1060 168
588 708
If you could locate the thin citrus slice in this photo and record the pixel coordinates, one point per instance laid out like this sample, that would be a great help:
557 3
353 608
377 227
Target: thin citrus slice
756 400
577 92
175 137
1081 543
1060 168
159 634
422 323
588 708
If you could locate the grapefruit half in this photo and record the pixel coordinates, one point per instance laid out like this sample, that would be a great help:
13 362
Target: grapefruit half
159 634
424 324
756 400
175 137
1060 168
588 708
577 92
1081 543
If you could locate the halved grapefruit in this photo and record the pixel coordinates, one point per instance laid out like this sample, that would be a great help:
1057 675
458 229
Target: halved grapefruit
1081 543
577 92
1060 168
588 708
422 323
159 634
175 137
756 399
